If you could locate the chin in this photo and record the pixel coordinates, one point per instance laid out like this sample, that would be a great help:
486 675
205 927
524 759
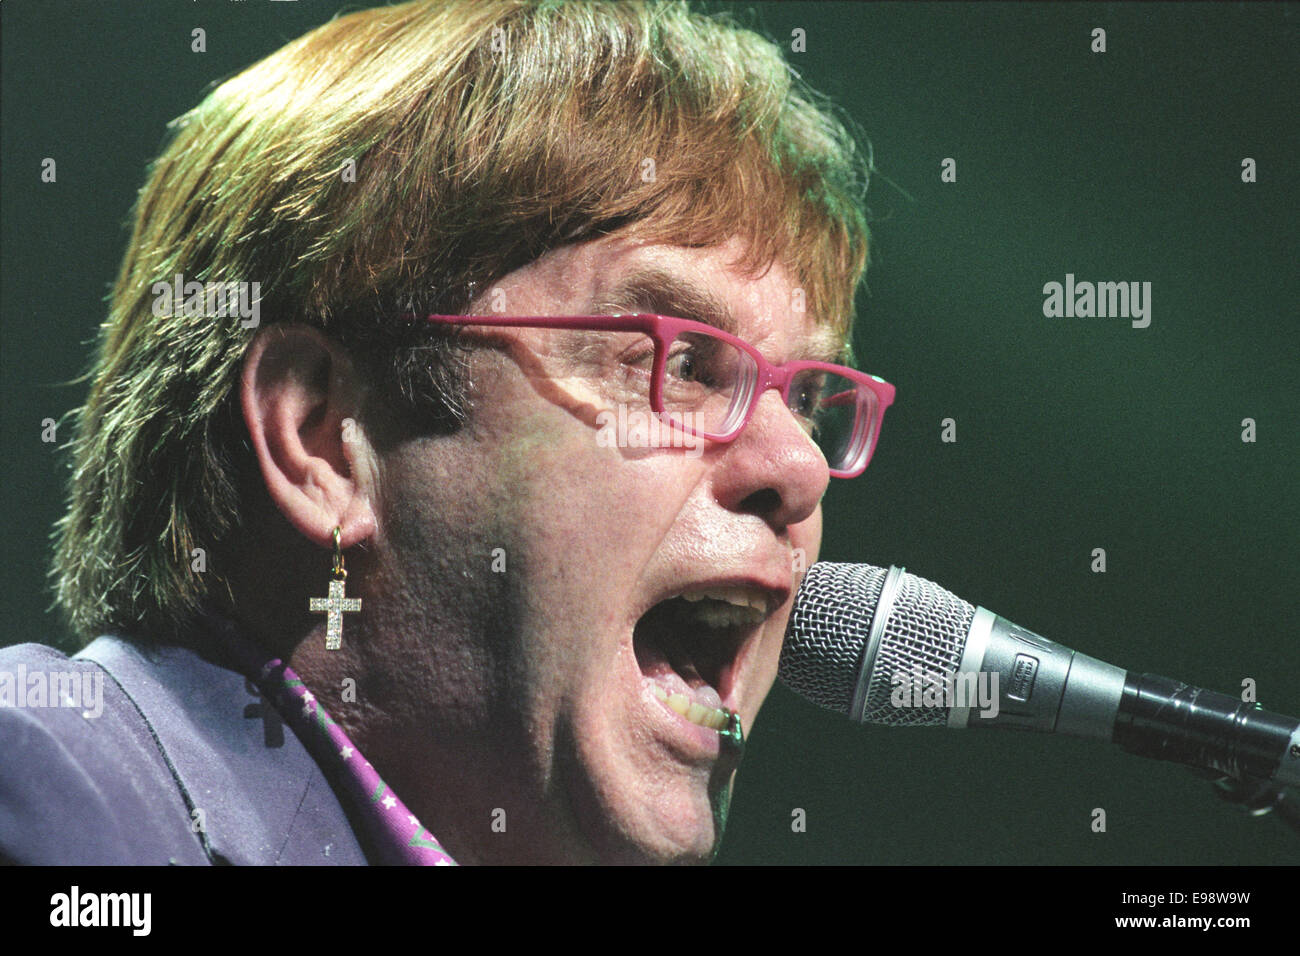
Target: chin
641 784
664 850
683 830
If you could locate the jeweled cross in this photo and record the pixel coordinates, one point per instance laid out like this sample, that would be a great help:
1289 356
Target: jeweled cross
334 606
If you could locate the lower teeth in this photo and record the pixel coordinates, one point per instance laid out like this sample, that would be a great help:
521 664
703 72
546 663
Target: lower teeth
710 717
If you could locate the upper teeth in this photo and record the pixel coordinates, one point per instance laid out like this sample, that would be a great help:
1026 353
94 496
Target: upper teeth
744 605
741 597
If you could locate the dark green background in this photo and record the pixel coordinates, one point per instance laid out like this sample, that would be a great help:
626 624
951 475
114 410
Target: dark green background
1072 434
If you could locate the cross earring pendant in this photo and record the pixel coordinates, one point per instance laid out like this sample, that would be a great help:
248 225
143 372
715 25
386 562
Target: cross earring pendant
334 606
337 602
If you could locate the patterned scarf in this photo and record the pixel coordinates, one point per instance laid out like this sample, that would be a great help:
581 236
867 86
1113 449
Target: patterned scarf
395 832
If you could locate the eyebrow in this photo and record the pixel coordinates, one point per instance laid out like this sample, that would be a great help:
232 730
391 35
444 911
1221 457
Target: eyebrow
652 289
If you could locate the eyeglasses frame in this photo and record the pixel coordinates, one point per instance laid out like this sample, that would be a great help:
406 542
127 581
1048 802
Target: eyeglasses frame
664 329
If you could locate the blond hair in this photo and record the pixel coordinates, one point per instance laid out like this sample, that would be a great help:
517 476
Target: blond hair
398 158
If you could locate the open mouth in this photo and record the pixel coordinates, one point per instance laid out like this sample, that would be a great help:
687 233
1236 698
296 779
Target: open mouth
688 647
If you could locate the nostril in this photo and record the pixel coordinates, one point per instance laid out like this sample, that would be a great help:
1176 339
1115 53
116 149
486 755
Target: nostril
765 501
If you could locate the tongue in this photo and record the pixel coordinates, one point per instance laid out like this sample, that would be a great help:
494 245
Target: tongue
667 660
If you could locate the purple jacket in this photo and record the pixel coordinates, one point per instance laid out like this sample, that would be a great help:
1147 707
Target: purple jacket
184 764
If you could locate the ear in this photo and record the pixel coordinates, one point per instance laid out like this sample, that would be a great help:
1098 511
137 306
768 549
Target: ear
301 400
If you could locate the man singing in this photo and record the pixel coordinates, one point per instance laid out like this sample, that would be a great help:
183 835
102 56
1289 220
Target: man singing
370 538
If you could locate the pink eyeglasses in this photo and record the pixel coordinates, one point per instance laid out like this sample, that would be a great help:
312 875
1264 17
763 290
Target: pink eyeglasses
707 382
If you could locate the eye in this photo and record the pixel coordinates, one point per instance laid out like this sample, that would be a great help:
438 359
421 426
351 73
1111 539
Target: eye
683 365
629 351
700 360
807 401
804 402
640 357
625 364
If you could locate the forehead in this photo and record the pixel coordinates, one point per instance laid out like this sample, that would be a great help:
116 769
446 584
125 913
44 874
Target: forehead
610 276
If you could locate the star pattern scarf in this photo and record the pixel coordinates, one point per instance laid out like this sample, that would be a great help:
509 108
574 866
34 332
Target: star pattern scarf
396 833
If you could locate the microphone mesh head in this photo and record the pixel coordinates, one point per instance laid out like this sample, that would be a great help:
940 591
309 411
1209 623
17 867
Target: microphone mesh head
828 631
925 631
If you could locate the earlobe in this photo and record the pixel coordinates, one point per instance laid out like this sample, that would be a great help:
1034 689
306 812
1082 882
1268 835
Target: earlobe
299 394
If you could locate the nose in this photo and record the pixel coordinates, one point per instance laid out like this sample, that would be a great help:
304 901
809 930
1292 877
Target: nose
772 468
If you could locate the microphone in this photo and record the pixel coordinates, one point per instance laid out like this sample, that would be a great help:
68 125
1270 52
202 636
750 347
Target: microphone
887 647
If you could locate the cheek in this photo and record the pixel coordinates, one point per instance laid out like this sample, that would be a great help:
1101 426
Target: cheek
554 487
577 503
574 542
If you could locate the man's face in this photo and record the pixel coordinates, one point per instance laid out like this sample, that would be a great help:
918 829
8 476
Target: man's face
516 671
